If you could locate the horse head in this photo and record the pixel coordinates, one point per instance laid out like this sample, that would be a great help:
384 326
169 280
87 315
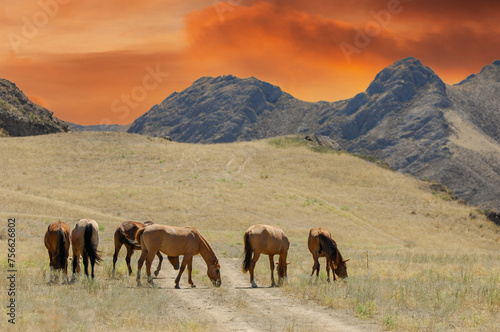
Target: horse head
214 273
341 269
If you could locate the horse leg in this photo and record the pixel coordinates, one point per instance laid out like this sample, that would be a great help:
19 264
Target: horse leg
328 263
190 269
144 253
130 251
252 267
51 263
149 261
76 264
271 265
85 259
315 266
118 246
158 268
181 269
66 279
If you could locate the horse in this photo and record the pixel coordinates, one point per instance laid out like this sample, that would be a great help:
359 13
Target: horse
125 235
57 243
321 244
85 239
267 240
176 241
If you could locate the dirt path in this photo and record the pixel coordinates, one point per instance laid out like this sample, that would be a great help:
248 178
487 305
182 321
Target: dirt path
237 307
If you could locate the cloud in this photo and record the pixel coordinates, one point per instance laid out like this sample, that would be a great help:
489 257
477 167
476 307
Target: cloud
84 59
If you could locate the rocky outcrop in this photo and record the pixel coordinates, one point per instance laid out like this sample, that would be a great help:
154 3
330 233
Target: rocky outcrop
21 117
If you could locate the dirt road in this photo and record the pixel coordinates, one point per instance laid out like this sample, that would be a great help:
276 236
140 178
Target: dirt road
237 307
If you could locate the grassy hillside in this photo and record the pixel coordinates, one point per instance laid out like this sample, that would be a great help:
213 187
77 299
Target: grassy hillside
432 263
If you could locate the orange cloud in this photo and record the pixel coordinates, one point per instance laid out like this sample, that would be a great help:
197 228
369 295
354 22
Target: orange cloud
90 66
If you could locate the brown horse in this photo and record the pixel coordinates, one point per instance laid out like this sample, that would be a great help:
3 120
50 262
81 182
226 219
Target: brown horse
321 244
267 240
176 241
85 239
125 235
57 243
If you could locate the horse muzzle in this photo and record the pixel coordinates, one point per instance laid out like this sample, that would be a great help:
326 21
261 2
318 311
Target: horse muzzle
216 283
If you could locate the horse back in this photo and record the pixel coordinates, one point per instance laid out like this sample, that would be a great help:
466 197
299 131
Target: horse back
171 240
269 240
78 234
52 235
313 242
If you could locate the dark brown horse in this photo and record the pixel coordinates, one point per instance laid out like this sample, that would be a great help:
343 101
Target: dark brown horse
176 241
321 244
85 239
125 235
57 243
267 240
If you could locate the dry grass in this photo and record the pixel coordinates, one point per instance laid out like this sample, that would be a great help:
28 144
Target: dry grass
433 264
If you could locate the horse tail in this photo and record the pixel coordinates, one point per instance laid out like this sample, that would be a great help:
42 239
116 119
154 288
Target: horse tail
245 266
125 240
138 235
88 247
61 254
329 246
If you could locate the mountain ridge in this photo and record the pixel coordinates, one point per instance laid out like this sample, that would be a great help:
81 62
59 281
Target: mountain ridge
407 116
19 116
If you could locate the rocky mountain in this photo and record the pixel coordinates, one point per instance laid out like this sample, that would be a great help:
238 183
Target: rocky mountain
102 127
21 117
407 116
226 109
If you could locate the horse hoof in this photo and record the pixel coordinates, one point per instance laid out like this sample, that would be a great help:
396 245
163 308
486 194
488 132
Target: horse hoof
177 287
156 273
193 286
254 285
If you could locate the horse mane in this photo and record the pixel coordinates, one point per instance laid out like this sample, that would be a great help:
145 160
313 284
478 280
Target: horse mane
88 247
61 253
330 247
205 242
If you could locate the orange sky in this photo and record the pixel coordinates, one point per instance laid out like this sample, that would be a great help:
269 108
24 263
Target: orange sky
110 61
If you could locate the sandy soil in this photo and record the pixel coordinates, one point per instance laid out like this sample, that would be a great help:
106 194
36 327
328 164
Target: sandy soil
235 306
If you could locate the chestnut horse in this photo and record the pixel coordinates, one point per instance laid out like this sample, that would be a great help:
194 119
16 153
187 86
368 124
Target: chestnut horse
125 235
85 239
267 240
321 244
57 243
176 241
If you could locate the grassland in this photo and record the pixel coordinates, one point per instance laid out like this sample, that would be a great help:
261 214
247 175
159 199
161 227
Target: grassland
418 261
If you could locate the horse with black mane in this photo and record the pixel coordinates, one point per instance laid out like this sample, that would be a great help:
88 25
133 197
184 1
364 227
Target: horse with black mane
85 239
57 243
321 244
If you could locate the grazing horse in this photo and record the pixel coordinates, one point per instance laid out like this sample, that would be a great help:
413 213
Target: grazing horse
85 238
57 243
125 235
321 244
267 240
176 241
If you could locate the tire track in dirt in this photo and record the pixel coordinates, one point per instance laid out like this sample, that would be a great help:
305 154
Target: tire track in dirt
235 306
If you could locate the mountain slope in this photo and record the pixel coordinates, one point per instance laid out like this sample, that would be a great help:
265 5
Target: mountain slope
101 127
21 117
407 116
226 109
